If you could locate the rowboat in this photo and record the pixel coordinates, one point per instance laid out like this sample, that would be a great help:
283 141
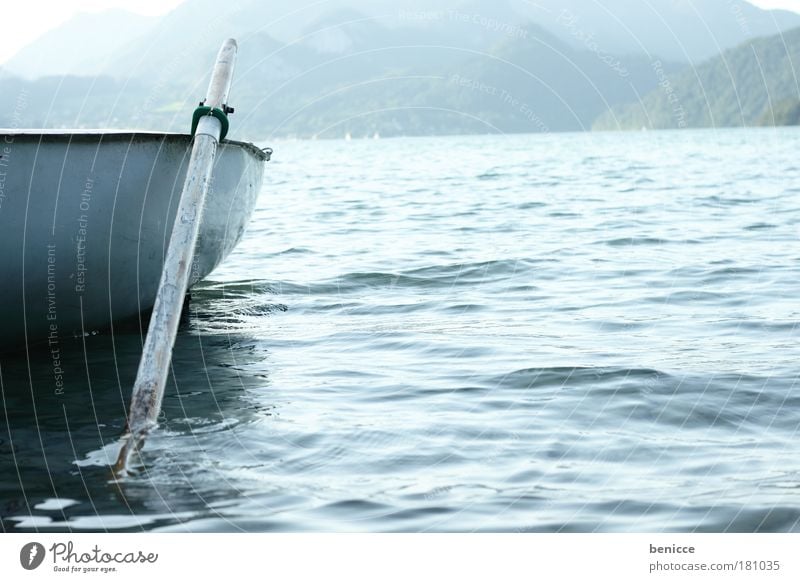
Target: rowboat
85 222
98 226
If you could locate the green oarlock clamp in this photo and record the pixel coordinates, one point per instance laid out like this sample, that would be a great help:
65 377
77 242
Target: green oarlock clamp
203 110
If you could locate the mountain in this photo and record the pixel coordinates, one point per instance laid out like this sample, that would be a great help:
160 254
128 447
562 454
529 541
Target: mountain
350 74
539 83
119 43
752 84
67 101
677 30
80 46
376 66
784 112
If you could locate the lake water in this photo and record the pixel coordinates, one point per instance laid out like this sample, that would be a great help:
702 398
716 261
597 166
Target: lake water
575 332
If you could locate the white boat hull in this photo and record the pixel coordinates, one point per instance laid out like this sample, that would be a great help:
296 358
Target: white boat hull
85 220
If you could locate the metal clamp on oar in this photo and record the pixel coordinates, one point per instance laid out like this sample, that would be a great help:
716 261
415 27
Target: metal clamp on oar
217 112
208 128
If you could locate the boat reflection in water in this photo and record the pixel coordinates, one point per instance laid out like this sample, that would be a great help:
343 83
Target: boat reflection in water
64 434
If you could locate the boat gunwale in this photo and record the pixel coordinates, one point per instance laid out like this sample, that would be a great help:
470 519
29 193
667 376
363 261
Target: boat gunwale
55 135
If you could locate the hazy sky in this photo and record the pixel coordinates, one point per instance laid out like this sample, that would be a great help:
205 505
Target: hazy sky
23 22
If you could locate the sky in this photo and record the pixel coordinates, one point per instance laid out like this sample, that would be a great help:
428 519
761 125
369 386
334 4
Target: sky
785 4
793 5
24 22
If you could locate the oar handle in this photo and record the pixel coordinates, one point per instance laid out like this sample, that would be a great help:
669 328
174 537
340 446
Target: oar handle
220 85
211 118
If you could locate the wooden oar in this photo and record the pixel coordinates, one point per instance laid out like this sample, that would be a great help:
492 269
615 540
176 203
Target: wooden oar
151 378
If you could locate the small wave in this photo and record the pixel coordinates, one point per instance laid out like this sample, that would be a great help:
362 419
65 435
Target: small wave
489 176
469 273
290 251
440 276
634 241
531 205
235 289
356 509
535 378
716 201
689 296
761 226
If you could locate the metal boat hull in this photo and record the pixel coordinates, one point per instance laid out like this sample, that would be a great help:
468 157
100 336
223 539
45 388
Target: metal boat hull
85 220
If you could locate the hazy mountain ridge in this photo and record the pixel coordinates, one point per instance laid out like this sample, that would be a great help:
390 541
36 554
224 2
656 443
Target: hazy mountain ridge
373 83
677 30
745 86
67 101
360 67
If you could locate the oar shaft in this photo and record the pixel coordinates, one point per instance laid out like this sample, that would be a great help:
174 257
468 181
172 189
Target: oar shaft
151 378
